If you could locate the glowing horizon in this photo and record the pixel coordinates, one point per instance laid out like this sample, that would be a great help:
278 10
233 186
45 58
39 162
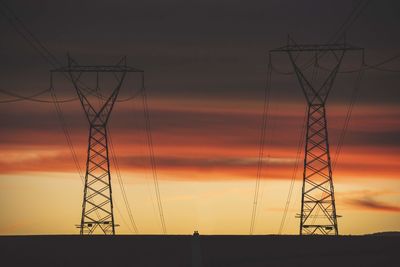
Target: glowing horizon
206 167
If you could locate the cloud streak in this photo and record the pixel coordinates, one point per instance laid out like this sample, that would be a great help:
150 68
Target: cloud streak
371 204
192 139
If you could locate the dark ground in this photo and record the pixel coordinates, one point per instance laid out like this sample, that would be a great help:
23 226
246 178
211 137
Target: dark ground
155 250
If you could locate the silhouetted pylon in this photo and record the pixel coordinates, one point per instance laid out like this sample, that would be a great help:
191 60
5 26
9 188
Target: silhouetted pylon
318 209
97 208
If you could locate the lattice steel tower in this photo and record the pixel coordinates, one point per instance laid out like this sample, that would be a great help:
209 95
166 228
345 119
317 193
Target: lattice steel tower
318 210
97 208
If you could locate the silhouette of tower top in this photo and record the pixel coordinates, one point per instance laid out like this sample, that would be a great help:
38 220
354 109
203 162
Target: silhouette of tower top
97 103
318 208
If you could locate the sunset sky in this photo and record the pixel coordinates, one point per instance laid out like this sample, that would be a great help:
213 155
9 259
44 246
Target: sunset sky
205 69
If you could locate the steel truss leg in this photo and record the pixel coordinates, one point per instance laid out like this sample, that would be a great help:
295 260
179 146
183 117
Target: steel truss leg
97 209
318 212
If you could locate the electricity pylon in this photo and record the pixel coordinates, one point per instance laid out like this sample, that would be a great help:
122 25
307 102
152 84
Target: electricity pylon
97 208
318 209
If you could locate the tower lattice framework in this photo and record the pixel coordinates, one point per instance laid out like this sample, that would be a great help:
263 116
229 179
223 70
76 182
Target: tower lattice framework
97 208
318 208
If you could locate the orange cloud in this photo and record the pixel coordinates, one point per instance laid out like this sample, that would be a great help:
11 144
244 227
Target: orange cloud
197 140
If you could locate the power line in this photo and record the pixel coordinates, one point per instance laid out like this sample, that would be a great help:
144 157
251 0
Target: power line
294 172
143 161
152 159
365 66
353 100
265 117
27 35
32 98
18 97
33 41
64 128
350 20
121 183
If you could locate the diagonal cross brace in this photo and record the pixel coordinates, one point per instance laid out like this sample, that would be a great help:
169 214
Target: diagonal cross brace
312 95
97 117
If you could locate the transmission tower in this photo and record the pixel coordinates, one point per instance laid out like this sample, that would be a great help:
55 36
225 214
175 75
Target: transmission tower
97 208
318 210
